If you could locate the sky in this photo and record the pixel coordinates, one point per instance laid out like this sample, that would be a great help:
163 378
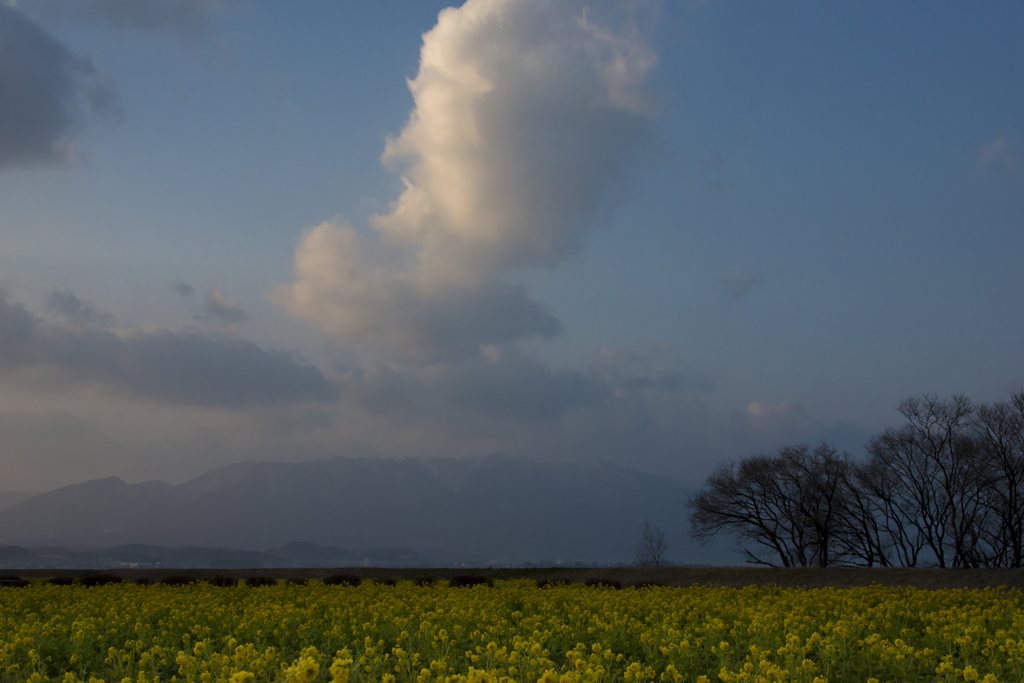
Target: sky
664 234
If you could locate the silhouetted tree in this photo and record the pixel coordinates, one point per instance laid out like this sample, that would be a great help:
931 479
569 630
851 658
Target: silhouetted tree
650 551
945 488
754 501
886 493
925 479
819 484
999 434
794 507
862 535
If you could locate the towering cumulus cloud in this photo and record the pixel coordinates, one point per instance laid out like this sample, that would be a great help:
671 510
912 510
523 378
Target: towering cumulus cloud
526 112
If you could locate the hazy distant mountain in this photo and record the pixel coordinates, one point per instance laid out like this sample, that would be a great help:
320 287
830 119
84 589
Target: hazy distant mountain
9 499
493 508
143 556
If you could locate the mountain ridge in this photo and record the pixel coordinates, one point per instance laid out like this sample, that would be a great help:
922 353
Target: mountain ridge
496 507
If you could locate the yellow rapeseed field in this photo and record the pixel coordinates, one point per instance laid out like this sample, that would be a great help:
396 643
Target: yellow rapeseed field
511 632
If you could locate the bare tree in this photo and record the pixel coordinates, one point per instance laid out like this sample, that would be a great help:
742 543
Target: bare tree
861 537
886 509
999 431
752 500
735 501
650 551
945 488
791 508
818 484
924 476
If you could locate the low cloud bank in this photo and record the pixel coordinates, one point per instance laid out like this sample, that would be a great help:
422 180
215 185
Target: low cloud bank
160 365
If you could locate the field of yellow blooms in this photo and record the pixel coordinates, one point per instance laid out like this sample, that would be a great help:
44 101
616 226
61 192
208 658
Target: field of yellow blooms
124 633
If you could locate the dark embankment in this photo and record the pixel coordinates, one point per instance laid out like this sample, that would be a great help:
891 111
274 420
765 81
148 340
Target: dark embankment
734 577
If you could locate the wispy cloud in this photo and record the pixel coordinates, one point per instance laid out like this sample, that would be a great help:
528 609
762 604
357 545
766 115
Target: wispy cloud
768 425
185 17
75 310
631 367
182 289
1001 155
737 283
219 307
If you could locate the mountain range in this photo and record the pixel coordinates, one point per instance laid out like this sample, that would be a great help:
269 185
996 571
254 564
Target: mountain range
494 509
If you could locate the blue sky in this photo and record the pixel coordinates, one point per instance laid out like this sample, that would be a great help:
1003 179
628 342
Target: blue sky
664 234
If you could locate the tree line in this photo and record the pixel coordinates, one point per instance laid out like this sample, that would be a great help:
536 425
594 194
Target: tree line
944 489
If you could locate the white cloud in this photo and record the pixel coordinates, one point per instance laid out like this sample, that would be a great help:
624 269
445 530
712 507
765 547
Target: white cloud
526 113
358 294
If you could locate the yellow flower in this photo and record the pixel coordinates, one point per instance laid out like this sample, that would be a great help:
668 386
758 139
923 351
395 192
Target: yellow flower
340 667
304 670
